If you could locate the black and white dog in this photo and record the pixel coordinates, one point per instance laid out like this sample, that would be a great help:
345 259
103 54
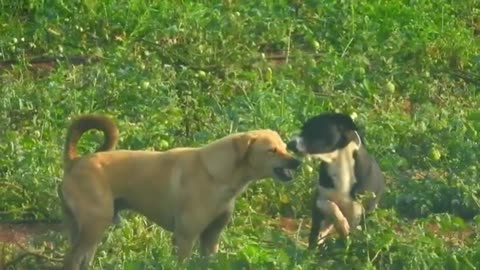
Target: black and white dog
346 171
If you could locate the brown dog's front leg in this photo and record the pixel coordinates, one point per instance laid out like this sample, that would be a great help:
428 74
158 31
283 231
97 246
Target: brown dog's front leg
210 236
183 244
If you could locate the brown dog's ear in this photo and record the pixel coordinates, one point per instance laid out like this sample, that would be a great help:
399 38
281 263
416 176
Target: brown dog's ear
242 145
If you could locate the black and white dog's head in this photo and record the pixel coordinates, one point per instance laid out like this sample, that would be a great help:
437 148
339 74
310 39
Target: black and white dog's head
324 135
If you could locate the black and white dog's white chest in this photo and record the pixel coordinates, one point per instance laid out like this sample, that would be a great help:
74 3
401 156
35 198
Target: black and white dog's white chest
340 169
342 174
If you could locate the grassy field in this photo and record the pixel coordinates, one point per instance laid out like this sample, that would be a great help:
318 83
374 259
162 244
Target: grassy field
176 73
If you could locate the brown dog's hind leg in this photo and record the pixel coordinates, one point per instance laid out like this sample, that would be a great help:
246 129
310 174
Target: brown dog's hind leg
84 246
68 221
210 236
87 225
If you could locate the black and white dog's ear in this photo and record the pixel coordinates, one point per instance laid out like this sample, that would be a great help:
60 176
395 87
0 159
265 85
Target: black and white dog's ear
349 130
353 135
346 123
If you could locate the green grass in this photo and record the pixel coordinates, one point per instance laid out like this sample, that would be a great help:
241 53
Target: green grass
176 73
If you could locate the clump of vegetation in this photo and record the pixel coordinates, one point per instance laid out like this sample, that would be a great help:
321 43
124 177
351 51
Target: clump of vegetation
183 73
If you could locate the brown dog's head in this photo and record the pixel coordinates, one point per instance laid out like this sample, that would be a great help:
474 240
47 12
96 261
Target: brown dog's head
266 154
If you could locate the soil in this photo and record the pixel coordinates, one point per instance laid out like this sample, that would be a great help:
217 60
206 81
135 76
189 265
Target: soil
22 232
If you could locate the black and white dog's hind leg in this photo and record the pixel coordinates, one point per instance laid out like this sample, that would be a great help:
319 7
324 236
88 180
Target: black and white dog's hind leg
330 210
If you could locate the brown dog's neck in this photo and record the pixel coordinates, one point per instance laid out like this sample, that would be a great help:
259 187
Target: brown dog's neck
231 191
228 184
220 161
234 183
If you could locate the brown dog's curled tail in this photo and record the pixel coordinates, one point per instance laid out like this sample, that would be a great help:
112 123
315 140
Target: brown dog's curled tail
81 125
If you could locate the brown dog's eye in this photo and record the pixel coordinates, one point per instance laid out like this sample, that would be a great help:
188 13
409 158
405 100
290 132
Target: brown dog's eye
273 150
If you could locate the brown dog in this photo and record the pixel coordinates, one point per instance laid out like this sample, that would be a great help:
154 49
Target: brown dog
188 191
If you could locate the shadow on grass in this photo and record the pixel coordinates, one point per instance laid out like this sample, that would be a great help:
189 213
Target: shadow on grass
416 199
